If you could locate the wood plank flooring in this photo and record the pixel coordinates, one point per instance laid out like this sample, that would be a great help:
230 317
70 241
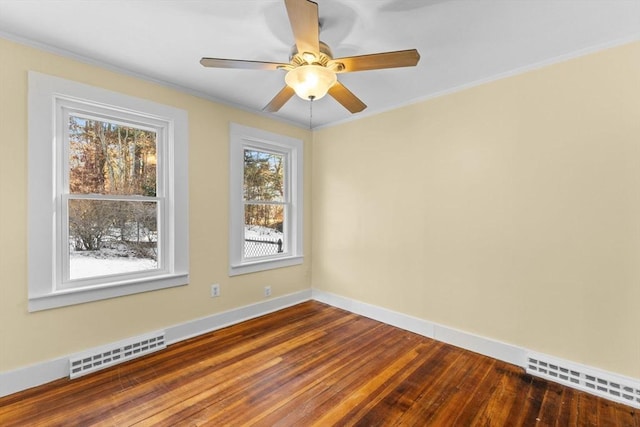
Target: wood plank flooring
311 365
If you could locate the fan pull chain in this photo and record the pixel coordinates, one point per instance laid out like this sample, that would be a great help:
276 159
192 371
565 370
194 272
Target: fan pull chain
311 98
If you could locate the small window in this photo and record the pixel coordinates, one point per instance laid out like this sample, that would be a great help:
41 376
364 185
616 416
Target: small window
266 200
116 168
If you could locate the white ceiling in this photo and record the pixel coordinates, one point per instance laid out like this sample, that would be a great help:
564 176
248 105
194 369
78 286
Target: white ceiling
460 42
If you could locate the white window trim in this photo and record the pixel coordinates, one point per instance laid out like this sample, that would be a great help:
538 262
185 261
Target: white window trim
241 137
44 248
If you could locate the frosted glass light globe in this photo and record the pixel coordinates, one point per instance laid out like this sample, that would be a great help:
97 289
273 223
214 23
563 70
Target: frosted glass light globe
310 81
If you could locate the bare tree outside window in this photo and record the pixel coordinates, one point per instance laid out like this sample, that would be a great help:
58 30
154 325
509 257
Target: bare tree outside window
264 203
113 213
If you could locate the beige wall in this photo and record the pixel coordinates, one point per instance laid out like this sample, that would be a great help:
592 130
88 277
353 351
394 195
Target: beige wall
27 338
510 210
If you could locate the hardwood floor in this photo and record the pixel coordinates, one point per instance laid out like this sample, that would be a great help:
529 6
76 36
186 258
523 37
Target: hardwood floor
311 365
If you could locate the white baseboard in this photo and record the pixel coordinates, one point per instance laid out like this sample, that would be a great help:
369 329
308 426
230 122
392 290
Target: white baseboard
598 382
489 347
486 346
206 324
393 318
44 372
34 375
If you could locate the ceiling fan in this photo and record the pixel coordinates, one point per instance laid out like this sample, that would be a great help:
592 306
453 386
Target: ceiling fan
311 71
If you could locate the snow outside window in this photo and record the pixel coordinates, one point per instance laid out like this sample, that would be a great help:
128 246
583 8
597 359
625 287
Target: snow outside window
265 199
107 194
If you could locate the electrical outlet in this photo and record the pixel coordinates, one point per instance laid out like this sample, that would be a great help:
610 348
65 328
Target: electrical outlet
215 290
267 291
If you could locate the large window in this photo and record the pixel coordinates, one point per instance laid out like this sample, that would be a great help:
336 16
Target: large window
115 169
266 200
110 198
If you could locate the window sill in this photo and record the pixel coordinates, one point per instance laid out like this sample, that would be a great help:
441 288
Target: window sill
77 296
262 265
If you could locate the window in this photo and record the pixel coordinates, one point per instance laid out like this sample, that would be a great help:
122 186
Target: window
107 194
266 200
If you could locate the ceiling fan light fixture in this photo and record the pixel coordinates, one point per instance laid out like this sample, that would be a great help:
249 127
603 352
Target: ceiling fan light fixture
311 81
311 71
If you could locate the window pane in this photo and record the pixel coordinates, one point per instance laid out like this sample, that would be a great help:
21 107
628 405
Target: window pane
263 230
112 237
263 176
107 158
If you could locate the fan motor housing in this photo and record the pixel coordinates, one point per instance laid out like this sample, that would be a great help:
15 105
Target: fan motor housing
298 58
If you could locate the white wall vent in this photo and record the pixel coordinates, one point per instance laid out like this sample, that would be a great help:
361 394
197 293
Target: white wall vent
112 354
604 384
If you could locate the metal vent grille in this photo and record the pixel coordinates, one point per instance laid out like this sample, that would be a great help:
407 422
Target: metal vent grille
115 353
585 379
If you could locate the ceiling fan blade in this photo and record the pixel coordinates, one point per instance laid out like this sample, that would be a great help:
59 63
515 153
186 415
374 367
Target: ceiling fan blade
345 97
279 100
239 63
303 15
376 61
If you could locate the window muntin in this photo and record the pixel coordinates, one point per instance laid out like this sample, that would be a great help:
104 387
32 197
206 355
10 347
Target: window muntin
265 200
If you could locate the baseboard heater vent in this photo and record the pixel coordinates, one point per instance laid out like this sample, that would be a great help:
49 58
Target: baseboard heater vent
112 354
609 386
